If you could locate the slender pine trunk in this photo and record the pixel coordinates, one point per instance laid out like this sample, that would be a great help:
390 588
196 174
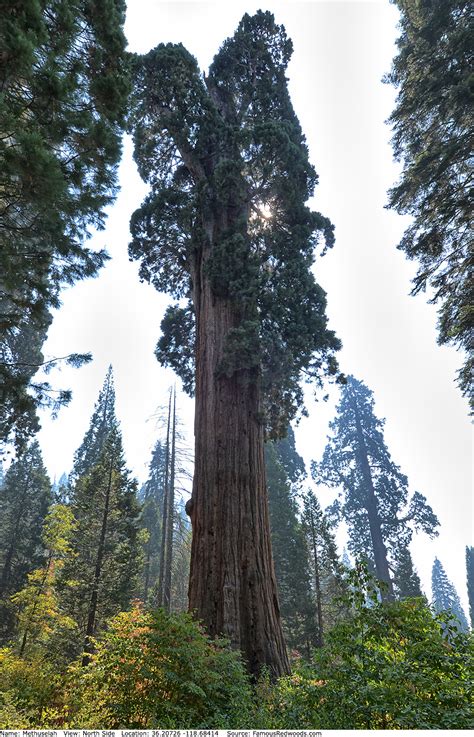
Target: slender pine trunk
92 612
164 521
170 520
317 582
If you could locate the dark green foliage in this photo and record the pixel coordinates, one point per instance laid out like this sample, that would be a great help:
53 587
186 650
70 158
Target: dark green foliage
154 670
433 137
63 85
217 151
470 581
151 519
445 596
327 575
100 578
406 579
357 462
388 666
103 420
25 496
290 554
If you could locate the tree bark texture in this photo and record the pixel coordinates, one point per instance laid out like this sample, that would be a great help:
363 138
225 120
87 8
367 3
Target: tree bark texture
232 582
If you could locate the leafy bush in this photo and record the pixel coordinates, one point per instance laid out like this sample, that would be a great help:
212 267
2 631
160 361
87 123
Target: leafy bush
27 689
158 670
390 666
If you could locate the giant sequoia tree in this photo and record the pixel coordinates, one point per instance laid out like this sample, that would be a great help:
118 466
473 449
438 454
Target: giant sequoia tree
375 501
63 87
226 227
433 137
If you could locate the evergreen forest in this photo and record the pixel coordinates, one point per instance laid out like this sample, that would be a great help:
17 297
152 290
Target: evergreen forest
236 585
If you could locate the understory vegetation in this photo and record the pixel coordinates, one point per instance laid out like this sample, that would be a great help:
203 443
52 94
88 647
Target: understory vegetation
395 665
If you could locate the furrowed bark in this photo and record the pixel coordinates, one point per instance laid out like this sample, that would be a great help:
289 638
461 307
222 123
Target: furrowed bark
232 582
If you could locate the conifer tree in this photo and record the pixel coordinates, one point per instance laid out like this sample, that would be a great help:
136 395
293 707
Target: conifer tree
290 553
226 226
25 496
405 578
445 596
106 545
152 517
325 567
103 420
64 85
470 582
433 137
373 492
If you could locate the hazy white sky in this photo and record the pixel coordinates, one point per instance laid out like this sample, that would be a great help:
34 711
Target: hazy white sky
342 50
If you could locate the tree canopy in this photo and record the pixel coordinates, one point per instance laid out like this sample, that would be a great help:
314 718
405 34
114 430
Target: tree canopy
433 137
63 91
227 148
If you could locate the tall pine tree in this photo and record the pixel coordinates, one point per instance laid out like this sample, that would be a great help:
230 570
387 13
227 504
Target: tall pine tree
433 137
373 492
106 546
226 226
25 496
326 571
445 596
64 85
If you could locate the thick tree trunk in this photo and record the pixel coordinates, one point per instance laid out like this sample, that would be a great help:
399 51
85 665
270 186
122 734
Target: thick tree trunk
378 545
232 583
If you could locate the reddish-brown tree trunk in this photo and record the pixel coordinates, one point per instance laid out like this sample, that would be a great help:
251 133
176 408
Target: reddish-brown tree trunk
232 582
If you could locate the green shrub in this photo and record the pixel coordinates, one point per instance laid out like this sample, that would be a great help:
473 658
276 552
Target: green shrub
27 690
390 666
158 670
